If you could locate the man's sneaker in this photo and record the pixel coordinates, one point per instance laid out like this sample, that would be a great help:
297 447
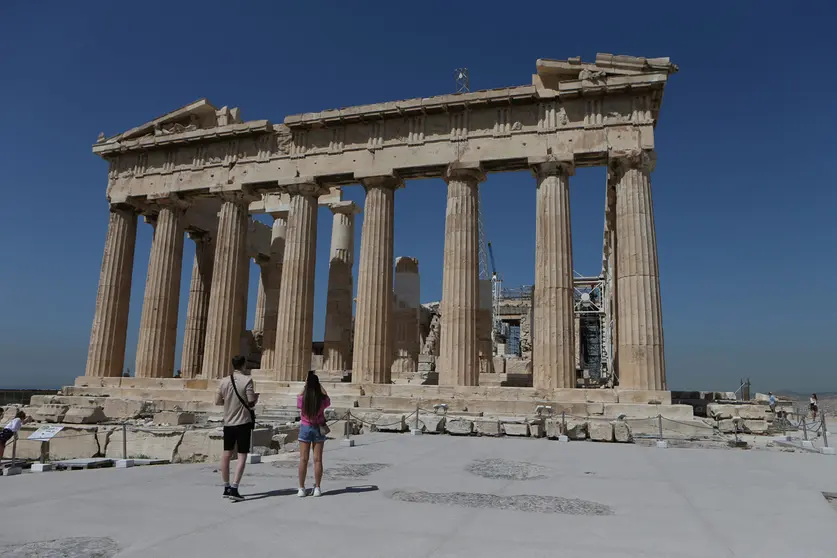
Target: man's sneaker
235 496
302 493
317 491
227 491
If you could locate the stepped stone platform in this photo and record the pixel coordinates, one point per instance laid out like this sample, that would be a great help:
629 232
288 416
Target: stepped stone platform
198 395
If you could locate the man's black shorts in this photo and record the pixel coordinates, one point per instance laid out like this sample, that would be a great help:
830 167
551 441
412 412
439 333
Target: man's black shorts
238 436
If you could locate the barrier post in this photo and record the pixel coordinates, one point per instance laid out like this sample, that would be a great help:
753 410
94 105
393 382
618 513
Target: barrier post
347 442
826 449
416 431
660 442
124 463
804 428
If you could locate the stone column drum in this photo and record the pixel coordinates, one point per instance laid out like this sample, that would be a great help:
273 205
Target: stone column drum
295 326
272 282
372 355
458 363
106 353
258 319
223 334
553 354
640 352
158 324
194 336
337 345
406 317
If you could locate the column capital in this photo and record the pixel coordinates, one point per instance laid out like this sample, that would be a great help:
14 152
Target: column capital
621 161
304 186
175 201
261 260
390 180
279 214
346 206
543 167
464 171
198 235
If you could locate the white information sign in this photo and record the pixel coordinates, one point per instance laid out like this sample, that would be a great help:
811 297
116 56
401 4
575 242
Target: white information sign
45 433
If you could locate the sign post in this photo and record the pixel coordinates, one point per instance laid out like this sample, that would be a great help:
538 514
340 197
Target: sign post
44 434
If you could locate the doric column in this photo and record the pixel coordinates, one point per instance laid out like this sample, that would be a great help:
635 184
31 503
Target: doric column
553 361
158 325
405 317
223 329
194 336
295 326
372 355
272 280
458 355
485 327
639 353
258 320
338 327
106 353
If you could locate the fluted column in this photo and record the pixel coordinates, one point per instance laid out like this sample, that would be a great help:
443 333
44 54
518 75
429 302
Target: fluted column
158 325
405 317
272 281
553 361
223 333
295 326
194 336
640 352
372 355
106 353
258 319
458 356
338 327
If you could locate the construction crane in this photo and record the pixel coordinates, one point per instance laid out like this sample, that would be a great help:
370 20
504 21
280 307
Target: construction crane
498 335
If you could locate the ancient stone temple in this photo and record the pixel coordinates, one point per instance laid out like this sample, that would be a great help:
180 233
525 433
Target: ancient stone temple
201 172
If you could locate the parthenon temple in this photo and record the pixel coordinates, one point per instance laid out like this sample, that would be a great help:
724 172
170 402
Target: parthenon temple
202 172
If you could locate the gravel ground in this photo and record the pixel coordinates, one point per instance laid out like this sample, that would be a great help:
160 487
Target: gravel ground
75 547
506 470
524 503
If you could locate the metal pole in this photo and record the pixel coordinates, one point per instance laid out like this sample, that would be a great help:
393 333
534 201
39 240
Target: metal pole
660 424
784 427
124 441
14 450
417 418
804 427
347 427
824 431
564 422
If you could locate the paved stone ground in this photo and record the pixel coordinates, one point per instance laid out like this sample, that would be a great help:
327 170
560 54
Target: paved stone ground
441 496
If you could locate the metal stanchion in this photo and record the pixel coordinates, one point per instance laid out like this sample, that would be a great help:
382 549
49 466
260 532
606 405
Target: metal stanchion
347 442
13 468
660 442
825 449
416 431
124 463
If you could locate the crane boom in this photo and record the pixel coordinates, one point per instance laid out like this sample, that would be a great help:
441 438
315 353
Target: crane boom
491 257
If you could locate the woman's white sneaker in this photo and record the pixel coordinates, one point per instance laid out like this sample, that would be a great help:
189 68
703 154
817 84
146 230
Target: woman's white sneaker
317 491
302 493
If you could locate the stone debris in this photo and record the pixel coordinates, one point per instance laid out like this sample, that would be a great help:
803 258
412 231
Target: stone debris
174 418
514 426
600 431
501 469
727 426
85 415
431 423
755 412
391 422
459 426
119 409
487 427
73 547
622 432
523 503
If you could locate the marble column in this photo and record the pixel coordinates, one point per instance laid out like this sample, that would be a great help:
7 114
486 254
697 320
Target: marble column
406 317
458 363
272 280
223 333
640 349
338 327
158 324
372 358
194 336
553 352
106 353
258 320
295 326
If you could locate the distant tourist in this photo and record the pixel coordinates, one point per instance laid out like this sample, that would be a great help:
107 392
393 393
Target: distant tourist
772 402
312 403
814 405
10 430
236 394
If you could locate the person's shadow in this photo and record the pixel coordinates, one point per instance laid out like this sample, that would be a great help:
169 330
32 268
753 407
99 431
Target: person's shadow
292 491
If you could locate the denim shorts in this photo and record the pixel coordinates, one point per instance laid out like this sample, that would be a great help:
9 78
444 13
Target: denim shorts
310 434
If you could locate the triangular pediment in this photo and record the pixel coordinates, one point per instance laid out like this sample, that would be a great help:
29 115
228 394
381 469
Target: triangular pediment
198 115
605 65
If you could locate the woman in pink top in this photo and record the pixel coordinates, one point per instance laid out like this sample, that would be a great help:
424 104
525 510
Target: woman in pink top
312 403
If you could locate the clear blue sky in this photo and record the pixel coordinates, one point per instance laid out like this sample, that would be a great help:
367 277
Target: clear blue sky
744 189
